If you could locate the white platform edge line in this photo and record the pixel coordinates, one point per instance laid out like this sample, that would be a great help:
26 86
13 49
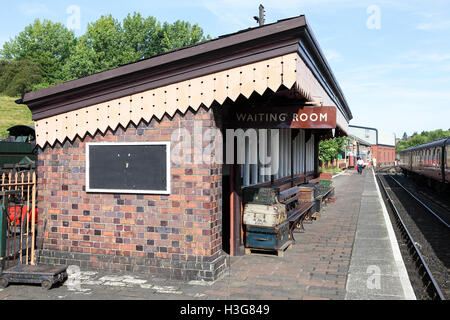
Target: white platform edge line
403 274
337 175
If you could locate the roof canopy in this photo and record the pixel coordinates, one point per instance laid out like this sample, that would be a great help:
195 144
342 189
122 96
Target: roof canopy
280 55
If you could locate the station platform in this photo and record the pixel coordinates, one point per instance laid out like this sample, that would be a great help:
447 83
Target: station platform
376 268
350 252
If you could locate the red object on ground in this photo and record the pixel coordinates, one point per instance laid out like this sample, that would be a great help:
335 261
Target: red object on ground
325 176
13 213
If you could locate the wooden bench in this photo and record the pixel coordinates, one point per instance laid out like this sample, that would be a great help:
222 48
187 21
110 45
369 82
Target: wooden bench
320 199
325 195
296 210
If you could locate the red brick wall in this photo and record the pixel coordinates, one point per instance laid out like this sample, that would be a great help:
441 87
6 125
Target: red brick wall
384 154
177 235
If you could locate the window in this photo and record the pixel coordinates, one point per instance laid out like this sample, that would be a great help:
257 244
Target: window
137 168
252 171
288 146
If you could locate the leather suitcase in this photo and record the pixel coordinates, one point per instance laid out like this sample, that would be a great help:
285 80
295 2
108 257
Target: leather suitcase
264 195
264 215
272 238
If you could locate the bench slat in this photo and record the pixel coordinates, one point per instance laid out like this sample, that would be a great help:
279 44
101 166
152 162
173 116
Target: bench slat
287 193
323 195
304 207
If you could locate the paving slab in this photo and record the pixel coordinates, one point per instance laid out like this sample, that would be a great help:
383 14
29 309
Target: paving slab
376 269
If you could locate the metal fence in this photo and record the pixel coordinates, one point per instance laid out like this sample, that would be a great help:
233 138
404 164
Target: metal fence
18 218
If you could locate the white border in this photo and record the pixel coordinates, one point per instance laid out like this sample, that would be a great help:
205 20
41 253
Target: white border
167 191
408 291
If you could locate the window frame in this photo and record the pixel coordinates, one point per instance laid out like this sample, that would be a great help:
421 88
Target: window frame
167 190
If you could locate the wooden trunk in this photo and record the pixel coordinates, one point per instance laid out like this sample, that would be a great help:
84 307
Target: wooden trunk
267 238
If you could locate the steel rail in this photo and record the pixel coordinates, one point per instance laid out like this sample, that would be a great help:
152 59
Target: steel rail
438 295
422 203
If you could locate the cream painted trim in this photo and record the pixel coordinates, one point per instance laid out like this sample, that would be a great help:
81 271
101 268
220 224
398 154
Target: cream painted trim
287 70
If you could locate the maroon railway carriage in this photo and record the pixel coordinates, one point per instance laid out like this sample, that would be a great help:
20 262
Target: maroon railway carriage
431 160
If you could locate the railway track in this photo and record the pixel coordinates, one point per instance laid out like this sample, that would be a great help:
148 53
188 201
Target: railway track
444 219
426 234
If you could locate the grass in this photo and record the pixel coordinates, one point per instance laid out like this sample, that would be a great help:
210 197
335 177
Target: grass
330 170
12 114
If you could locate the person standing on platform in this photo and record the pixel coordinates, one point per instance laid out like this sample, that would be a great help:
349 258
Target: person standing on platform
374 163
360 164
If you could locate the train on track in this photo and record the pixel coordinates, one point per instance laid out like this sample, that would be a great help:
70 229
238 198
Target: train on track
18 152
430 161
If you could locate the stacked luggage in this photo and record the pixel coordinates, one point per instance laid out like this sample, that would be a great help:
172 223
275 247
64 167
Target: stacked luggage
265 218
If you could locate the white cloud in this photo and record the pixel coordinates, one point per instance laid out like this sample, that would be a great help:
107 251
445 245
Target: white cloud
34 8
332 55
420 56
395 102
435 25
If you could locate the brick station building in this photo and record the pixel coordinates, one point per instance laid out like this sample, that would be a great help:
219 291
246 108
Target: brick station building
109 195
383 144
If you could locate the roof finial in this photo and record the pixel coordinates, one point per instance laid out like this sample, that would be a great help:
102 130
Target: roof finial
261 19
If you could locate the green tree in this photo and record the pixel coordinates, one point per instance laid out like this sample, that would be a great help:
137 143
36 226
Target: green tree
330 149
18 77
424 137
141 36
100 49
108 43
46 43
180 34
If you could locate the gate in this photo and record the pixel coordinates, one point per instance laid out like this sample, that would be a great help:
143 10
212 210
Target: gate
17 219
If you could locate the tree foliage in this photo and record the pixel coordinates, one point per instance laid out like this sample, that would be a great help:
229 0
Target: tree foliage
425 137
46 43
101 48
18 77
179 34
107 44
330 149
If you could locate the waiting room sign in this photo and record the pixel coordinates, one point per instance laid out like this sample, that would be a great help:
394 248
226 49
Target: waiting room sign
285 117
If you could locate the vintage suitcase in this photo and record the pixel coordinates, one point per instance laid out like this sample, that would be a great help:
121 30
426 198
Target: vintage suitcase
264 195
264 215
272 238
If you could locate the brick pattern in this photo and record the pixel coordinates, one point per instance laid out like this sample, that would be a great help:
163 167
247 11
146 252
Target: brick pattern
177 235
384 154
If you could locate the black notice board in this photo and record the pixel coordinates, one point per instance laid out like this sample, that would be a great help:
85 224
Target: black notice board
128 168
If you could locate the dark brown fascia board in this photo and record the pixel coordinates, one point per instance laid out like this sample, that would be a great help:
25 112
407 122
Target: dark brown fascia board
170 57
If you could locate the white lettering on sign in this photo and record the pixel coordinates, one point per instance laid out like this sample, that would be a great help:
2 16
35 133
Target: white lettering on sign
274 117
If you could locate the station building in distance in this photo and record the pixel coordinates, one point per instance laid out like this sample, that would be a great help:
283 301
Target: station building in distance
383 144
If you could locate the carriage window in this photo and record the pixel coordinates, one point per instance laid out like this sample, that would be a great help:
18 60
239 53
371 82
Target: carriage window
447 151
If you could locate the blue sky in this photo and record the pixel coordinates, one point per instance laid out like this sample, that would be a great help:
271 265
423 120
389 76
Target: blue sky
394 71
